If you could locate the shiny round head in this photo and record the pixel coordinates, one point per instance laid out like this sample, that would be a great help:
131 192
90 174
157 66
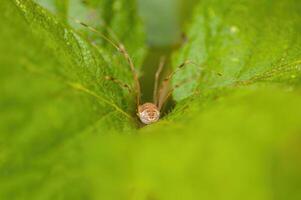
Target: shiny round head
148 113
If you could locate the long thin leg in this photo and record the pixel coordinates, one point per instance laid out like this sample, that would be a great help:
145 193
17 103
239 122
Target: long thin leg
184 64
157 76
164 91
164 100
181 66
120 83
103 36
165 97
120 47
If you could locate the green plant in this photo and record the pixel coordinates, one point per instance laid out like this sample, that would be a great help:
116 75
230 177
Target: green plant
66 133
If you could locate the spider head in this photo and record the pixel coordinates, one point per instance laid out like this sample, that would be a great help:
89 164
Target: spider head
148 113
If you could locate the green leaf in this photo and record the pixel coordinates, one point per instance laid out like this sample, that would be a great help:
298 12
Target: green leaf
66 133
66 60
53 90
248 42
59 7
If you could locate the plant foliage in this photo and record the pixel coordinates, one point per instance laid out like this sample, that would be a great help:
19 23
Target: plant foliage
67 133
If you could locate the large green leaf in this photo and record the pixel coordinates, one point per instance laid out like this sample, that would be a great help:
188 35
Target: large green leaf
53 90
66 133
246 41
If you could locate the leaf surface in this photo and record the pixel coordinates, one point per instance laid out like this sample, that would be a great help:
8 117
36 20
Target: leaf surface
66 133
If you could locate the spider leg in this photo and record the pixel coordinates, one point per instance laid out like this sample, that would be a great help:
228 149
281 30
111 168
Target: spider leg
184 64
157 76
121 48
164 98
164 93
120 83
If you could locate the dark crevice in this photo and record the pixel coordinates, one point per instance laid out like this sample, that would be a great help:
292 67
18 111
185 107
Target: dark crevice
152 59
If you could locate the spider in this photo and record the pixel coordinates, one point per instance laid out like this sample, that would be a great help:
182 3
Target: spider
148 112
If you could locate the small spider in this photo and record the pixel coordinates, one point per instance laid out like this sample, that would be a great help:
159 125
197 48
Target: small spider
148 112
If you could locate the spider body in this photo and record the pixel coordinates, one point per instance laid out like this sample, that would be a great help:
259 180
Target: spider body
148 113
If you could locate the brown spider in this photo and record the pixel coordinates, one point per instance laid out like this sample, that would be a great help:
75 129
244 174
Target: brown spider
148 112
